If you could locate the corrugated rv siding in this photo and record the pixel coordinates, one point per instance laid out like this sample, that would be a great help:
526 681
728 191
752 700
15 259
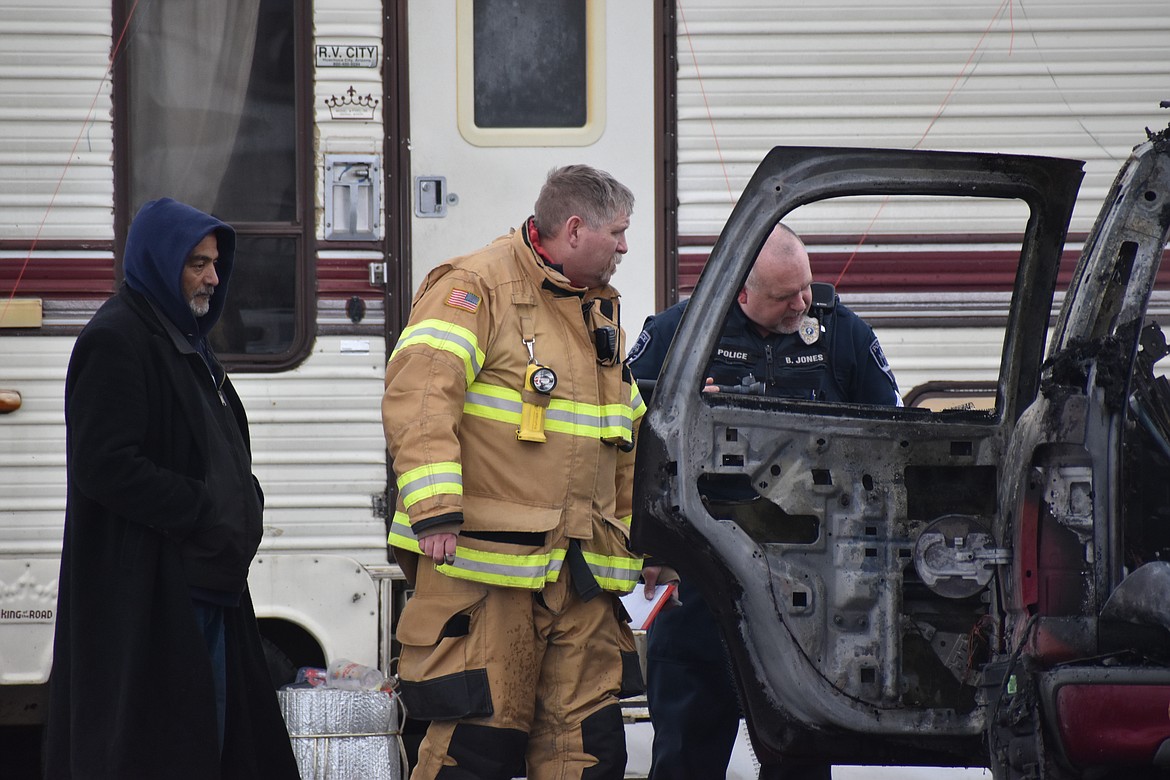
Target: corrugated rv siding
318 449
32 444
1066 78
56 147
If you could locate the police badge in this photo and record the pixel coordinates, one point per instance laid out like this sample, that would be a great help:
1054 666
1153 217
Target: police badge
809 330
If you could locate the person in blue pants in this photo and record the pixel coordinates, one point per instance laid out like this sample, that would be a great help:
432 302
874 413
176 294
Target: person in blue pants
781 340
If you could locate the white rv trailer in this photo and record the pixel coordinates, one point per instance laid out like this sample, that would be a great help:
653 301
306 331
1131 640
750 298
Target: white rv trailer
356 143
344 140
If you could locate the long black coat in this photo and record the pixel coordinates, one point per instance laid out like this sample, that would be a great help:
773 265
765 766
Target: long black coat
131 687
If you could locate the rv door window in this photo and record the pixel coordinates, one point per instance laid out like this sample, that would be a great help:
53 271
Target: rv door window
211 118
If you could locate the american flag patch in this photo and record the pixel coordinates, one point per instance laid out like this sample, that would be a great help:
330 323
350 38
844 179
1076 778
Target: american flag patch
462 299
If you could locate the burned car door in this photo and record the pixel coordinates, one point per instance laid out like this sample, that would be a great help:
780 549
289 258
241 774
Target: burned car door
854 591
909 586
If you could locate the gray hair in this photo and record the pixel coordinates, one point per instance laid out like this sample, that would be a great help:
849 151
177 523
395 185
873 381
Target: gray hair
579 190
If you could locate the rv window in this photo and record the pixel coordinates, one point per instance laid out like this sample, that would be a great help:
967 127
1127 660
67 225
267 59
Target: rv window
530 71
529 66
211 119
260 315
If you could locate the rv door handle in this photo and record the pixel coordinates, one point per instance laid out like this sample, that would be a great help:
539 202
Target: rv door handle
430 196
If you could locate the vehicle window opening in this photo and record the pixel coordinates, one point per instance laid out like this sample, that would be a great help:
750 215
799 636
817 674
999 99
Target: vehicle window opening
903 249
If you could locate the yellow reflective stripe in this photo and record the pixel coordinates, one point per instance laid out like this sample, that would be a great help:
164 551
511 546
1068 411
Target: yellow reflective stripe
627 521
492 568
574 418
581 419
637 403
433 479
401 534
448 337
511 571
614 572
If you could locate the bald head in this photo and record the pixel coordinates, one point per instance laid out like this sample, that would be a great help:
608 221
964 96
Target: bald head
778 290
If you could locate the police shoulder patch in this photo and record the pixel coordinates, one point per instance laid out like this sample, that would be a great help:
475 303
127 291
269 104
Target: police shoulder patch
639 346
879 357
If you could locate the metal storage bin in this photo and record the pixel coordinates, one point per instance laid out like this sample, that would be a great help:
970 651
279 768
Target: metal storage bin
339 734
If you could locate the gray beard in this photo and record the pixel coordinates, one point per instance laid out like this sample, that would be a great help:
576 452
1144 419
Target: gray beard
199 309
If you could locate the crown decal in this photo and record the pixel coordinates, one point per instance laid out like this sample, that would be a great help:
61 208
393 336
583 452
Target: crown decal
351 105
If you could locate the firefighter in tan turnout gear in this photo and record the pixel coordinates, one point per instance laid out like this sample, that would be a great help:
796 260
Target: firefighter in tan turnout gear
510 417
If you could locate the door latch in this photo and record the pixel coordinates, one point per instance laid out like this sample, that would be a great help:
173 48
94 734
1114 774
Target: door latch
431 196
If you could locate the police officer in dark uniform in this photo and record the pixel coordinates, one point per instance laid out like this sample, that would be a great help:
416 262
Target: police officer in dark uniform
786 337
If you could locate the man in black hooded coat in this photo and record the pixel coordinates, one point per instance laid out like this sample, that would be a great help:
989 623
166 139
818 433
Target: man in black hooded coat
158 670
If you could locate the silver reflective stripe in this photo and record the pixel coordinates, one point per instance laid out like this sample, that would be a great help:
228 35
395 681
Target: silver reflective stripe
425 485
436 478
445 336
614 573
492 401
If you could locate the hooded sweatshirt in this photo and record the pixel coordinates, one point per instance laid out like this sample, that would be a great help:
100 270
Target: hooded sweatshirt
161 237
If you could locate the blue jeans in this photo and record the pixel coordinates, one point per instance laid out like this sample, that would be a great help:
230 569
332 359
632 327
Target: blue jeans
210 619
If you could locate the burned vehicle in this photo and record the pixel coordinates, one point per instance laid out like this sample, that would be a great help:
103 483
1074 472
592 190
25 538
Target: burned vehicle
953 587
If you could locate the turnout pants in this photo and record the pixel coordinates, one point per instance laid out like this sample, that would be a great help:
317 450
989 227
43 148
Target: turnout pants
516 682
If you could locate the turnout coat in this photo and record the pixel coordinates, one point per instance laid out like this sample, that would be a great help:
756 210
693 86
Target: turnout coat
456 392
161 499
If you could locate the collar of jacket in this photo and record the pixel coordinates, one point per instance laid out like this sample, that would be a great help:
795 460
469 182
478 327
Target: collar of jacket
145 307
547 275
